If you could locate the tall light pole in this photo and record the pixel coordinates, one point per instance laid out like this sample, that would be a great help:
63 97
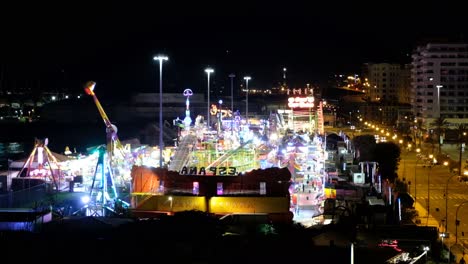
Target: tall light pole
446 201
461 138
428 189
438 99
284 76
208 72
247 78
232 75
415 166
160 58
457 223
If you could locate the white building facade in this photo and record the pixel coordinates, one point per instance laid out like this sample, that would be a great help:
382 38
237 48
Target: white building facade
440 82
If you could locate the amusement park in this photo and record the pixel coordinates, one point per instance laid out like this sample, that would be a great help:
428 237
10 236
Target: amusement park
222 163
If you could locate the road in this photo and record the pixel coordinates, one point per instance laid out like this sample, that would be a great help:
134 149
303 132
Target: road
422 176
431 181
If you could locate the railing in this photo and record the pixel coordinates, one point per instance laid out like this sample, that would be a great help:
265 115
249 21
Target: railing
228 154
182 153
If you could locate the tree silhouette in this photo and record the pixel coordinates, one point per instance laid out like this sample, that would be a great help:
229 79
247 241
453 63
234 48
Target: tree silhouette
387 154
364 146
440 124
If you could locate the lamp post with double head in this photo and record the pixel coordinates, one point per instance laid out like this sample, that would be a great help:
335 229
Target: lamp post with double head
247 78
446 201
431 164
232 75
415 176
208 72
438 99
462 140
161 59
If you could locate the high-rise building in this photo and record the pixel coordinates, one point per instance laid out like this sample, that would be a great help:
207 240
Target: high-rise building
440 82
388 82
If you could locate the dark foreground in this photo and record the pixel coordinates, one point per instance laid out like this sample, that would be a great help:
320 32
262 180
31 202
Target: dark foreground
194 238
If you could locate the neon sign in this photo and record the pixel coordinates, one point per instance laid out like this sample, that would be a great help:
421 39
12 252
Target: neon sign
300 102
222 171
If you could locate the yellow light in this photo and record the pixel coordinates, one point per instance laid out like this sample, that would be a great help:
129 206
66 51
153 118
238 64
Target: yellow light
431 156
418 150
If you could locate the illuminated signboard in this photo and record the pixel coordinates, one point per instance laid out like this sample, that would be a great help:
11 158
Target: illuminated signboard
300 102
229 171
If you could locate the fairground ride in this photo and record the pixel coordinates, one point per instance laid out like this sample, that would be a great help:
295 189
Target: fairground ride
112 168
42 164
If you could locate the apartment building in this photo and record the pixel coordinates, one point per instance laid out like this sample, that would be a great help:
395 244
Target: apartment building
388 82
440 82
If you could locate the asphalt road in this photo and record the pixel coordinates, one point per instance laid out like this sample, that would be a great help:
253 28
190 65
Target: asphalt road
427 181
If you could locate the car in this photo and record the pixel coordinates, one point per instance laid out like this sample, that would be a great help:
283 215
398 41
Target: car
463 178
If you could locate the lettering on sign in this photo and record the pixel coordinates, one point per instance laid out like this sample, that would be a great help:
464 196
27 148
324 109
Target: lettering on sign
222 171
300 102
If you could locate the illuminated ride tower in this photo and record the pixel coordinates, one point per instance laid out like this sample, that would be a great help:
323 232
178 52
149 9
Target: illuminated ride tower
187 120
103 192
187 141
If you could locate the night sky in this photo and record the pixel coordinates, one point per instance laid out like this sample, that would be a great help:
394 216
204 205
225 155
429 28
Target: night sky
61 46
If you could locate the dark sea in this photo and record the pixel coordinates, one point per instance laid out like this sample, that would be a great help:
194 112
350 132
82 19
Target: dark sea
17 139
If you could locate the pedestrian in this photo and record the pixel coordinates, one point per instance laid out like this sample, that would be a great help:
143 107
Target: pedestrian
462 261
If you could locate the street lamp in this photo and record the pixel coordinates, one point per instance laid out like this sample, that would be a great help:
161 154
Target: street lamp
220 116
461 139
457 222
160 58
426 250
428 189
446 201
415 166
438 99
208 71
232 75
247 78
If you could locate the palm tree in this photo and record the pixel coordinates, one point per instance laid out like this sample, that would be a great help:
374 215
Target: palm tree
461 140
440 123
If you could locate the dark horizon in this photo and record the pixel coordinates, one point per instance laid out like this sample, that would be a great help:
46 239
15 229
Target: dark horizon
60 49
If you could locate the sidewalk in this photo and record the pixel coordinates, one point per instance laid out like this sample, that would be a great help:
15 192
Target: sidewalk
431 221
425 220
